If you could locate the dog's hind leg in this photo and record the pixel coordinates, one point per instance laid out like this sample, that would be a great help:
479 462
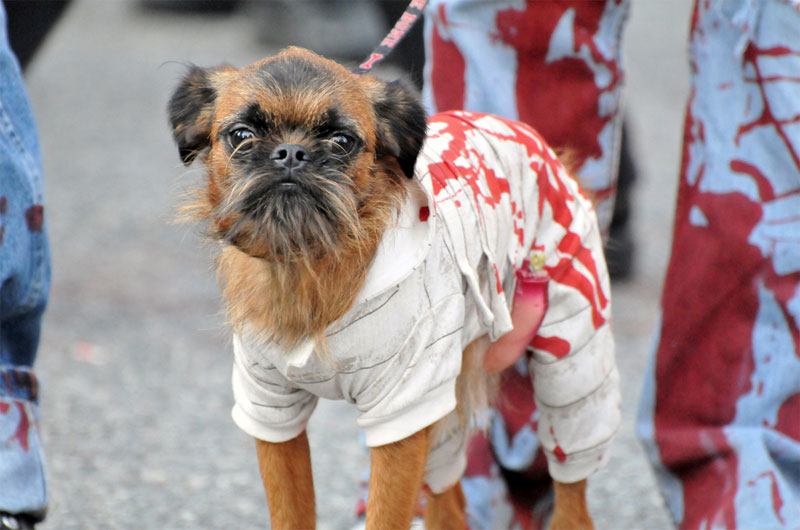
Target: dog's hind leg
570 511
445 511
395 482
286 472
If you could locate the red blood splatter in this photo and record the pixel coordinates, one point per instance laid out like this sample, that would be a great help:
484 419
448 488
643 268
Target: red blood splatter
447 79
565 273
23 426
555 346
767 117
577 124
515 402
789 417
498 282
479 456
777 500
561 456
3 205
34 217
2 233
784 289
554 192
765 192
424 213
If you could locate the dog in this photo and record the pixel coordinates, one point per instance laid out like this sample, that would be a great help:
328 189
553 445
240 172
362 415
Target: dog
369 253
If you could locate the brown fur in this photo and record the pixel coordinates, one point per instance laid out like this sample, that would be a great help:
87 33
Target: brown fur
292 262
570 511
289 285
287 301
445 511
286 472
396 474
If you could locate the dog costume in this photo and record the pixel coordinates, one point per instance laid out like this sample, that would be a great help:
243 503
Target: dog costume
489 198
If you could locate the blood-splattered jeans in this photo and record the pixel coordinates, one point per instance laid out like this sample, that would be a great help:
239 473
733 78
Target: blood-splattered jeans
555 65
720 411
24 286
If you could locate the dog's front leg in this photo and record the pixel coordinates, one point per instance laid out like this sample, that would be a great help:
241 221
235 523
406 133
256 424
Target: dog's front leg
286 472
570 511
395 482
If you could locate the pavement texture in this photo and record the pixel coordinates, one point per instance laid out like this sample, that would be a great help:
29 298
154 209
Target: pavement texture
135 360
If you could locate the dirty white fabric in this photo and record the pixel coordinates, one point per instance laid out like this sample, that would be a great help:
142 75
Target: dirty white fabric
487 194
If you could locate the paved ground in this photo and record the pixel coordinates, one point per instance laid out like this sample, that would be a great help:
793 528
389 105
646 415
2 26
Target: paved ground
134 361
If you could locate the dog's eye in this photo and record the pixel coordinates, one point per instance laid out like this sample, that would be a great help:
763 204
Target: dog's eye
343 144
238 139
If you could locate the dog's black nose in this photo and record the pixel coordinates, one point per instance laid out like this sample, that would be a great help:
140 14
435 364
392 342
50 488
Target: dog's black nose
290 156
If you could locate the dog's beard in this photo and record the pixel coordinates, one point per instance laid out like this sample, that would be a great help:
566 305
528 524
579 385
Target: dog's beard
298 257
301 218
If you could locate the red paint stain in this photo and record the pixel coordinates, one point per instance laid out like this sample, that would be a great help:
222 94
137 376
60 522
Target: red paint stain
555 346
552 192
788 421
447 78
566 273
498 282
777 500
765 191
561 456
424 213
515 402
34 217
479 456
577 124
767 118
23 426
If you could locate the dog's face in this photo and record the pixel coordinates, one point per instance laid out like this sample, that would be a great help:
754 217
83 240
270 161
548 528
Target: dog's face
299 151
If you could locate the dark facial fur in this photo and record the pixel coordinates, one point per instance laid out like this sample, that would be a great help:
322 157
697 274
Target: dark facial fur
307 165
297 147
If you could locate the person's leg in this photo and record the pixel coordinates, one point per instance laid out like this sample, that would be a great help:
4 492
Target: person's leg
720 412
506 483
556 66
24 285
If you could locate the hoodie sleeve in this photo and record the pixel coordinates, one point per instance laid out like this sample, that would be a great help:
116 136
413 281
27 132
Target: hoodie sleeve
574 370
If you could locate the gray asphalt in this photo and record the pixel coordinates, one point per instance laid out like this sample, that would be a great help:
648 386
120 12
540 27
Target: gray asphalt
135 362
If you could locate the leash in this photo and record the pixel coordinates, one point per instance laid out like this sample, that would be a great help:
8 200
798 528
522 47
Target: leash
406 21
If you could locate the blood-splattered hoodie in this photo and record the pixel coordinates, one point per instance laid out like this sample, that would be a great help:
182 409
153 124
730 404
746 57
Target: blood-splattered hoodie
489 199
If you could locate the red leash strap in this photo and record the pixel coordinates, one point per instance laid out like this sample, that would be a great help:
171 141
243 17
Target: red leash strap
409 17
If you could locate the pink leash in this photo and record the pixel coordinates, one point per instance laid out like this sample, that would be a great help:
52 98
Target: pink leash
406 21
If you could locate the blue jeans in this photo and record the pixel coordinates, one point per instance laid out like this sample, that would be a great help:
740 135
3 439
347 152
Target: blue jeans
24 286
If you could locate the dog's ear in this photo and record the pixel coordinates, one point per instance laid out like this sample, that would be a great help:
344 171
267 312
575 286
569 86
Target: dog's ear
401 123
191 110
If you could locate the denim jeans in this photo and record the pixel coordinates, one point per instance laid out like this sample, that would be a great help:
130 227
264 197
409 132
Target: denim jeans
24 286
720 410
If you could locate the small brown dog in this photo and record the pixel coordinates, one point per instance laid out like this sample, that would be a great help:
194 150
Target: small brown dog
309 167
